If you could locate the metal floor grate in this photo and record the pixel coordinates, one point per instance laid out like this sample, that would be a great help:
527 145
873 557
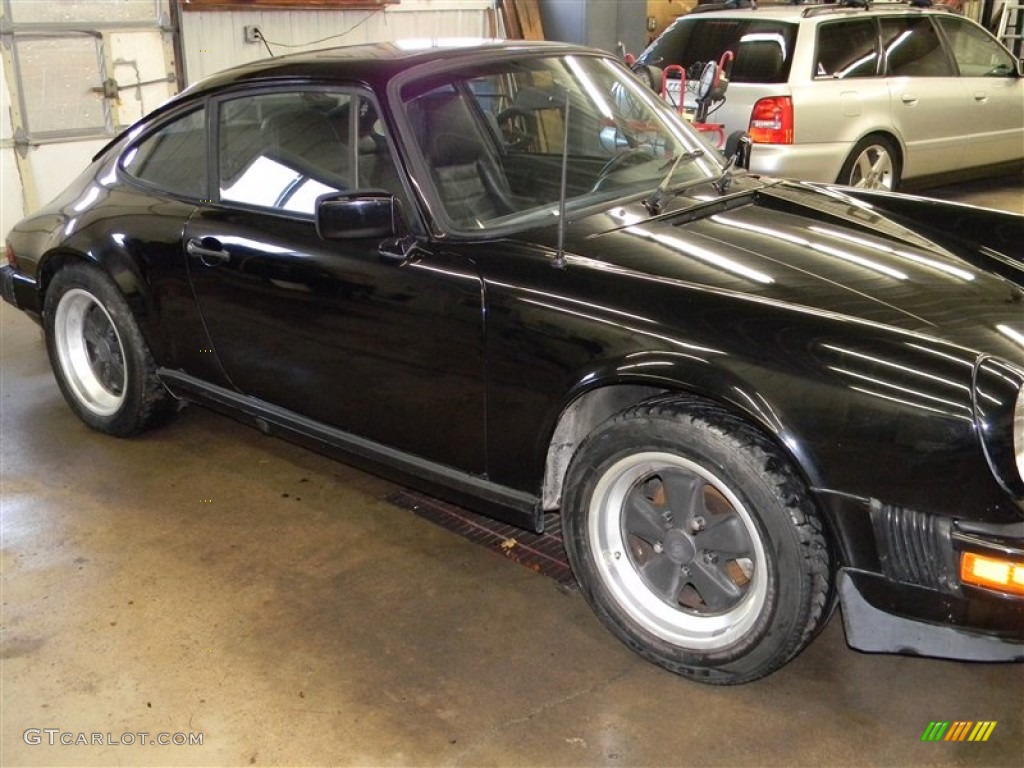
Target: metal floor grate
543 553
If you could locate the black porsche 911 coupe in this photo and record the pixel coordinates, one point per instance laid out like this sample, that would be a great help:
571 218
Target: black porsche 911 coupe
510 275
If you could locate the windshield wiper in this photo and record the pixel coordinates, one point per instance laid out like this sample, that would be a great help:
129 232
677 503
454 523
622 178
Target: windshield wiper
722 182
657 199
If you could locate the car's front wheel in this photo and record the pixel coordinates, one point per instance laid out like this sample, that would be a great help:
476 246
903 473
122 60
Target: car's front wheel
874 163
100 359
695 542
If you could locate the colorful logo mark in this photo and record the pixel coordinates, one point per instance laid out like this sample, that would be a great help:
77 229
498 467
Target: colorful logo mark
959 730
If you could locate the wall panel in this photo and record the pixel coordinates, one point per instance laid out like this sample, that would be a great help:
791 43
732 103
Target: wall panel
214 40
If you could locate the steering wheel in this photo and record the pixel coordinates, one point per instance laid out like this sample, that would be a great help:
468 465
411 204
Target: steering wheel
516 136
632 156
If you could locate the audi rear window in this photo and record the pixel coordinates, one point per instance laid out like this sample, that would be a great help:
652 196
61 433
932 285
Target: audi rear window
763 48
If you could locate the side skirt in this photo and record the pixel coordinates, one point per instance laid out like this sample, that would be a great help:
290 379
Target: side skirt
479 494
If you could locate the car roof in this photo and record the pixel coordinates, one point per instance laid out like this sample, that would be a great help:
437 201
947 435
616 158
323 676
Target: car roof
808 12
375 63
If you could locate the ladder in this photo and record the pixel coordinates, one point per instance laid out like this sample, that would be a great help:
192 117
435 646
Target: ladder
1010 31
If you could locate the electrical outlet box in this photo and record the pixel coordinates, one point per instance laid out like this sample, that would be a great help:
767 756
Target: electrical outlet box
252 33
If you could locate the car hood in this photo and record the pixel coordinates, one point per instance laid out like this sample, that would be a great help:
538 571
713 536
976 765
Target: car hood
815 251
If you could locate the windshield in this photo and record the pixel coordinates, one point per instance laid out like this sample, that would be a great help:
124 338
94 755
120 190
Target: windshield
492 138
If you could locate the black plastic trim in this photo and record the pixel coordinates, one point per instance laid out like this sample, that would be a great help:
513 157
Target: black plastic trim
510 505
19 290
875 629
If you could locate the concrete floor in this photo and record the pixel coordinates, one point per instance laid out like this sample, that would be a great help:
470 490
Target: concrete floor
206 579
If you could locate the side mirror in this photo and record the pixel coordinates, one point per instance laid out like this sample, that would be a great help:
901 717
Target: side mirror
366 213
738 145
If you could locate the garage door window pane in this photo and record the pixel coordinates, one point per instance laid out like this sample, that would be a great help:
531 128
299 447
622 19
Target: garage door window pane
174 158
70 11
59 99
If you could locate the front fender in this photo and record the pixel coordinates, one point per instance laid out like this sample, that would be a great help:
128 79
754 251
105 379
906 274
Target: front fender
862 409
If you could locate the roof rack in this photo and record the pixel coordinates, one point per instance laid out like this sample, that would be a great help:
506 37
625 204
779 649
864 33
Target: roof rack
819 8
728 5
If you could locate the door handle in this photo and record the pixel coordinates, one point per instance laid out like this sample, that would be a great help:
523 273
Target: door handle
980 96
908 98
211 257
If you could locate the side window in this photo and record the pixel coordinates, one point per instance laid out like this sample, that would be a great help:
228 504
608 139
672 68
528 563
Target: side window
912 48
846 49
174 158
284 150
976 53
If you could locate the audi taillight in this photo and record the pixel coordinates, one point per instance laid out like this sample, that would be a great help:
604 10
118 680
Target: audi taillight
771 121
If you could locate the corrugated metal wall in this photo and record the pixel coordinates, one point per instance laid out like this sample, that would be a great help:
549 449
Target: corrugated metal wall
214 40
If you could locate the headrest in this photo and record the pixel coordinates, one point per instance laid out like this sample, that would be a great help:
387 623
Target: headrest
451 135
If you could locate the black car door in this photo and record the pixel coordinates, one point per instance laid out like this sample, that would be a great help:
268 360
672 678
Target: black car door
388 350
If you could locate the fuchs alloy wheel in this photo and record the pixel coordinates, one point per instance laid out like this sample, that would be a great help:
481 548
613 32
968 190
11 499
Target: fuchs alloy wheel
100 358
873 164
695 542
90 352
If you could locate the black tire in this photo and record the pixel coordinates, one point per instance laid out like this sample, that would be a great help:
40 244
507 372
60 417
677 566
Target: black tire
873 163
99 357
695 542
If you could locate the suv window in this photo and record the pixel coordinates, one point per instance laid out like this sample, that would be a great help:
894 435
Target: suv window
763 48
976 54
912 48
174 158
847 48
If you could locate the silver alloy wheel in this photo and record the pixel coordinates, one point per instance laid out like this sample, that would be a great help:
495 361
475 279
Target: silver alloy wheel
677 550
90 351
873 169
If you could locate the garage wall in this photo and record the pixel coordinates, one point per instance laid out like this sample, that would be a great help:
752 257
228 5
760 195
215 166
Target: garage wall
54 114
11 208
214 40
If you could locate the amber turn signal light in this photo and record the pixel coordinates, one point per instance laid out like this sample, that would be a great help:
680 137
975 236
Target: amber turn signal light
992 572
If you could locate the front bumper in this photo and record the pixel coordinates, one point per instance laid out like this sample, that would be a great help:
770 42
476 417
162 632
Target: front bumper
900 587
19 290
873 617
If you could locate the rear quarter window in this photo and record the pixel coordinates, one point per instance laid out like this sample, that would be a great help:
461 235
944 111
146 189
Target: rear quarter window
763 48
847 48
173 159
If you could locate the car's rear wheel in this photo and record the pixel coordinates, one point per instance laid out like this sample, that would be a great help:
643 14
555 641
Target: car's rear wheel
874 163
695 542
100 359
